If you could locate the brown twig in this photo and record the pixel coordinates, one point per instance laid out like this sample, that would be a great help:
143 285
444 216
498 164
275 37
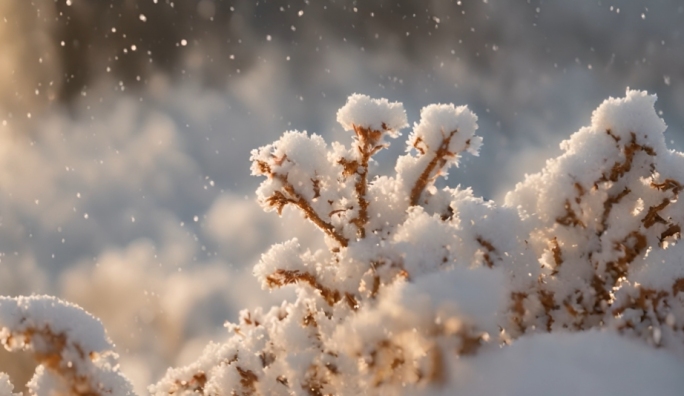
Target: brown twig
557 255
608 206
437 162
632 246
248 380
367 144
278 200
570 218
489 248
49 354
283 277
652 216
630 150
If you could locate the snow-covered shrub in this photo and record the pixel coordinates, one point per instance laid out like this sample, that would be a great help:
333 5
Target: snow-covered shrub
415 277
419 286
74 354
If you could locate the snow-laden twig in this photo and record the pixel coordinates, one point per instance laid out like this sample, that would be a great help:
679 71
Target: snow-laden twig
75 356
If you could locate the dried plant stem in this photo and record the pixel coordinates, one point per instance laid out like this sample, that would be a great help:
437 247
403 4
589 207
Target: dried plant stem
489 248
619 169
437 162
287 277
279 200
367 145
608 206
49 354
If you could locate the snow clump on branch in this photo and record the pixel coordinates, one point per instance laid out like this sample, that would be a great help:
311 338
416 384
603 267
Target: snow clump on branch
75 355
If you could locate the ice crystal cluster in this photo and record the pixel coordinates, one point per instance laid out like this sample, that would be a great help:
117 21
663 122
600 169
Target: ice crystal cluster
421 290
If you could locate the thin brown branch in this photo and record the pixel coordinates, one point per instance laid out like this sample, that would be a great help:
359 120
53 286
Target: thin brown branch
619 169
279 200
549 304
283 277
351 301
608 206
570 218
652 216
610 133
437 162
672 231
316 188
580 192
518 309
367 145
668 184
557 255
489 248
602 292
248 380
632 246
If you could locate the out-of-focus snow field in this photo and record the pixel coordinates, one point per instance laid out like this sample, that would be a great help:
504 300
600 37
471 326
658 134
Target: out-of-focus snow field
137 204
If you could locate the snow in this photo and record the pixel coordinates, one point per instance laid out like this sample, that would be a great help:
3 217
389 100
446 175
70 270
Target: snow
376 114
440 121
6 387
65 339
632 114
585 363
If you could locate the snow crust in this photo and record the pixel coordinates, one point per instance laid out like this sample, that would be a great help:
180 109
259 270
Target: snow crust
585 363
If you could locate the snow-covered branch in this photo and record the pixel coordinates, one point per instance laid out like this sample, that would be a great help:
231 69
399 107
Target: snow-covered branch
74 354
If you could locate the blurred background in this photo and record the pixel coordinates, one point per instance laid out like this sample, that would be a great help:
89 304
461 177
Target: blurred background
126 126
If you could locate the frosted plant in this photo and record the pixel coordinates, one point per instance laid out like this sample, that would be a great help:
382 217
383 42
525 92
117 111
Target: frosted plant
418 286
74 354
408 277
605 217
415 277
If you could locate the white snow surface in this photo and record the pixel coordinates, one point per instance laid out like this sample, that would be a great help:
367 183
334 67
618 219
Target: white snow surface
572 364
6 387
